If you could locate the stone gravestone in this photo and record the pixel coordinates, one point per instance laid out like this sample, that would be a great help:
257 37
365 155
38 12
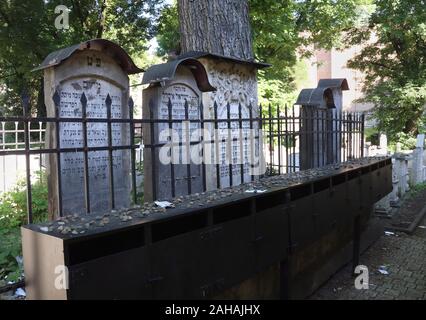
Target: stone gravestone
235 81
320 108
95 73
174 93
417 166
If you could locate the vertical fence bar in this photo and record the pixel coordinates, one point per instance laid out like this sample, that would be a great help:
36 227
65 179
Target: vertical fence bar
294 139
217 146
187 147
203 145
132 150
252 142
279 137
344 135
356 135
319 134
108 104
286 139
230 144
3 146
85 153
362 133
271 142
240 122
260 141
336 145
350 150
326 136
27 123
57 101
172 165
16 135
152 146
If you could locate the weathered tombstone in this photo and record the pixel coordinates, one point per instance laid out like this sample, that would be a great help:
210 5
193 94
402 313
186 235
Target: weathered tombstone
320 111
92 75
235 97
417 166
174 93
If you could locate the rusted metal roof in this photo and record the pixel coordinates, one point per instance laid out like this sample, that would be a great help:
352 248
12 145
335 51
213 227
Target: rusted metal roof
316 96
117 52
166 71
201 54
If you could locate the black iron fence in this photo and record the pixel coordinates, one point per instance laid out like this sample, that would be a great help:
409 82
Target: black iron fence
288 136
299 138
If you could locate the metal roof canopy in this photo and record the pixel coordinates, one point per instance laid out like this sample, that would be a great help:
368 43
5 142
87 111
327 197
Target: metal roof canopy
202 54
166 71
116 52
323 92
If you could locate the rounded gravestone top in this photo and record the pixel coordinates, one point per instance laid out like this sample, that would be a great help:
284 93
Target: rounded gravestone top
118 53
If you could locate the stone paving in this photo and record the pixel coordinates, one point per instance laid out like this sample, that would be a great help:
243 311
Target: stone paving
402 256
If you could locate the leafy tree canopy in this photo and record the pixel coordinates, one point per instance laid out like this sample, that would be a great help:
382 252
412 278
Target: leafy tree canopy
28 35
394 62
283 33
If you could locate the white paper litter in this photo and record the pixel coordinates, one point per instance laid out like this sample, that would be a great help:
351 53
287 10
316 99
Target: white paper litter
44 229
20 292
388 233
382 270
164 204
422 227
255 191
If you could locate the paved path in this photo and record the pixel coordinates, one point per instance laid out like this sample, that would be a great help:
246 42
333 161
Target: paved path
404 257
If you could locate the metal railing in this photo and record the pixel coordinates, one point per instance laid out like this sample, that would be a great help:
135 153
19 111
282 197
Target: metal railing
280 142
300 138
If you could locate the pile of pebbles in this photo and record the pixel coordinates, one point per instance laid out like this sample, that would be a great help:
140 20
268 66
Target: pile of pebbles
80 224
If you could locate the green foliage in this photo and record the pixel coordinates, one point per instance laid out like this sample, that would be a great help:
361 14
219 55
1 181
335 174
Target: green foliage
414 191
168 36
395 66
13 204
372 135
405 141
10 248
284 32
28 35
13 214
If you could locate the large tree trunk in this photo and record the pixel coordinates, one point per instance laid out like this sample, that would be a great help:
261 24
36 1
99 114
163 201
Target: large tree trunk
216 26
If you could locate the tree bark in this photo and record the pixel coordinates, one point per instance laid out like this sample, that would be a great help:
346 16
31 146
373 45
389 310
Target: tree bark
216 26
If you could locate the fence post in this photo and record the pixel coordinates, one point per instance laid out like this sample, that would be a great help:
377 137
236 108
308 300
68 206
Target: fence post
362 134
27 123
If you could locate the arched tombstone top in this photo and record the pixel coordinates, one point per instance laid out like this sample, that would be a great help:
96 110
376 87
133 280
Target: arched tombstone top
165 72
110 48
328 94
341 84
